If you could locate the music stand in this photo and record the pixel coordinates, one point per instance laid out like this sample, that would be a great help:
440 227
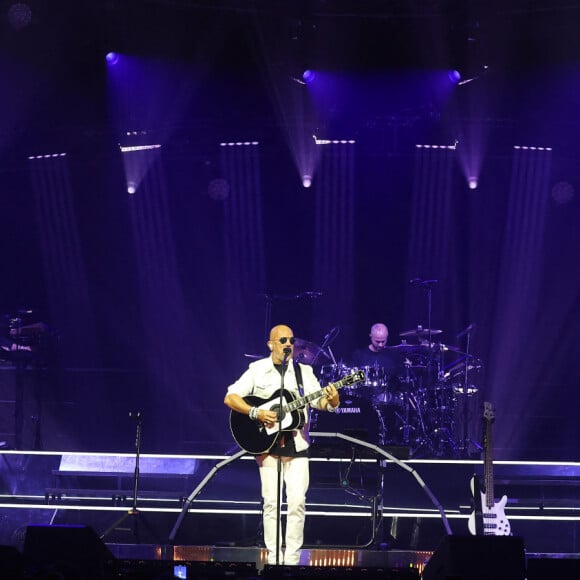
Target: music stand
136 516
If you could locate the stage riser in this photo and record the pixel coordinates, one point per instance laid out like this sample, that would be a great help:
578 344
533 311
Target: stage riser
340 501
245 530
78 548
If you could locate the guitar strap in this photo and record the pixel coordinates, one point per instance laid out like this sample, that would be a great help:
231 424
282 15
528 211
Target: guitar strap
298 373
299 383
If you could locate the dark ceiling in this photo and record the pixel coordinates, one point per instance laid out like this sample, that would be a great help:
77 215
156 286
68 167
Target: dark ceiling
52 55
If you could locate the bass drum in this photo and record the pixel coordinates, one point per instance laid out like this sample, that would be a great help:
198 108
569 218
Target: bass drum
356 417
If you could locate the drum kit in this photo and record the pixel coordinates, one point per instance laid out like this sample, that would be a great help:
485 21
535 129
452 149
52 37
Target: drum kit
417 405
23 338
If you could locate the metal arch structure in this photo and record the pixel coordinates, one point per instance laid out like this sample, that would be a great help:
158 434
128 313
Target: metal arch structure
199 488
192 496
398 462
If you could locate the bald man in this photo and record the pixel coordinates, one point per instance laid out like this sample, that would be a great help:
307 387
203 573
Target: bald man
263 379
377 355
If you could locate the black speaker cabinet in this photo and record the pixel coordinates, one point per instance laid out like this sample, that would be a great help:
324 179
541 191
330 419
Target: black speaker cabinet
477 558
71 548
553 568
11 563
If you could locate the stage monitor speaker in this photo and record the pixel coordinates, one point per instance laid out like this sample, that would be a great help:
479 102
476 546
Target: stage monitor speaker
11 563
66 547
553 568
271 572
477 558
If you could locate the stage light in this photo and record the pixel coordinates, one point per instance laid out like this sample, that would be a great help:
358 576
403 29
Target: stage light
218 189
112 58
563 192
308 76
19 15
454 76
130 148
307 180
131 188
472 182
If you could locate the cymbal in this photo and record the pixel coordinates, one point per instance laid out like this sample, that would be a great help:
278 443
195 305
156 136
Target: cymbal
459 367
447 347
405 348
420 331
308 352
421 350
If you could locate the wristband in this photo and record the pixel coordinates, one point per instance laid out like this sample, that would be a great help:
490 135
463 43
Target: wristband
330 408
253 414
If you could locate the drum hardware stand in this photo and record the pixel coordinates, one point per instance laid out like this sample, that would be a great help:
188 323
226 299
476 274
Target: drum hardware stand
465 411
328 340
133 513
427 285
410 402
406 428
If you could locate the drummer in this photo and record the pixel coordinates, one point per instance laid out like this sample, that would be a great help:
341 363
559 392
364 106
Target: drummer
376 354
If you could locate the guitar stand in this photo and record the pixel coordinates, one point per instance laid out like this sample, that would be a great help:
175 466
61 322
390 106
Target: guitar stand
136 516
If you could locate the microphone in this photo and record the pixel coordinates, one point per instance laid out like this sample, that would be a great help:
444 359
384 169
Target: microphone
465 331
415 280
135 414
287 350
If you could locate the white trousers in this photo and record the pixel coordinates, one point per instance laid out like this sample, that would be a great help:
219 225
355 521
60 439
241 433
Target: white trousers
295 478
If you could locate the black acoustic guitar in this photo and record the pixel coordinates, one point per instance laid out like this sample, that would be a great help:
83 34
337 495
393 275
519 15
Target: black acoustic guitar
254 437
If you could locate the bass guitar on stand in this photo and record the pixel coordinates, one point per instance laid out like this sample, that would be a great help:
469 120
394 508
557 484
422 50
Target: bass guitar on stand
255 438
490 520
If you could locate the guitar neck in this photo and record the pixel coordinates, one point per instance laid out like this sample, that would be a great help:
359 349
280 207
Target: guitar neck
303 401
488 467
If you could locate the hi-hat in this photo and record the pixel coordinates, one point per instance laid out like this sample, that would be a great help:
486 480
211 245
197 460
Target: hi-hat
420 332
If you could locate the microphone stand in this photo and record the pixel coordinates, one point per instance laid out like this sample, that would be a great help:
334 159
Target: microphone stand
428 287
328 339
465 390
287 351
134 511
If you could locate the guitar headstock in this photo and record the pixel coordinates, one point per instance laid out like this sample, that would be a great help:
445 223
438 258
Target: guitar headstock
352 379
488 414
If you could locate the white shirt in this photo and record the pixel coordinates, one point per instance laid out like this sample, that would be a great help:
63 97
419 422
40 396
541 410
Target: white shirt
263 380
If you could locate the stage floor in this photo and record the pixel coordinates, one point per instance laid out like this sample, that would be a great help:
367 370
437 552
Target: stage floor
362 510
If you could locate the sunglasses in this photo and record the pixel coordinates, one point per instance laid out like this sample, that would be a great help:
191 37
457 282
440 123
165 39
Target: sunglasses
284 340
